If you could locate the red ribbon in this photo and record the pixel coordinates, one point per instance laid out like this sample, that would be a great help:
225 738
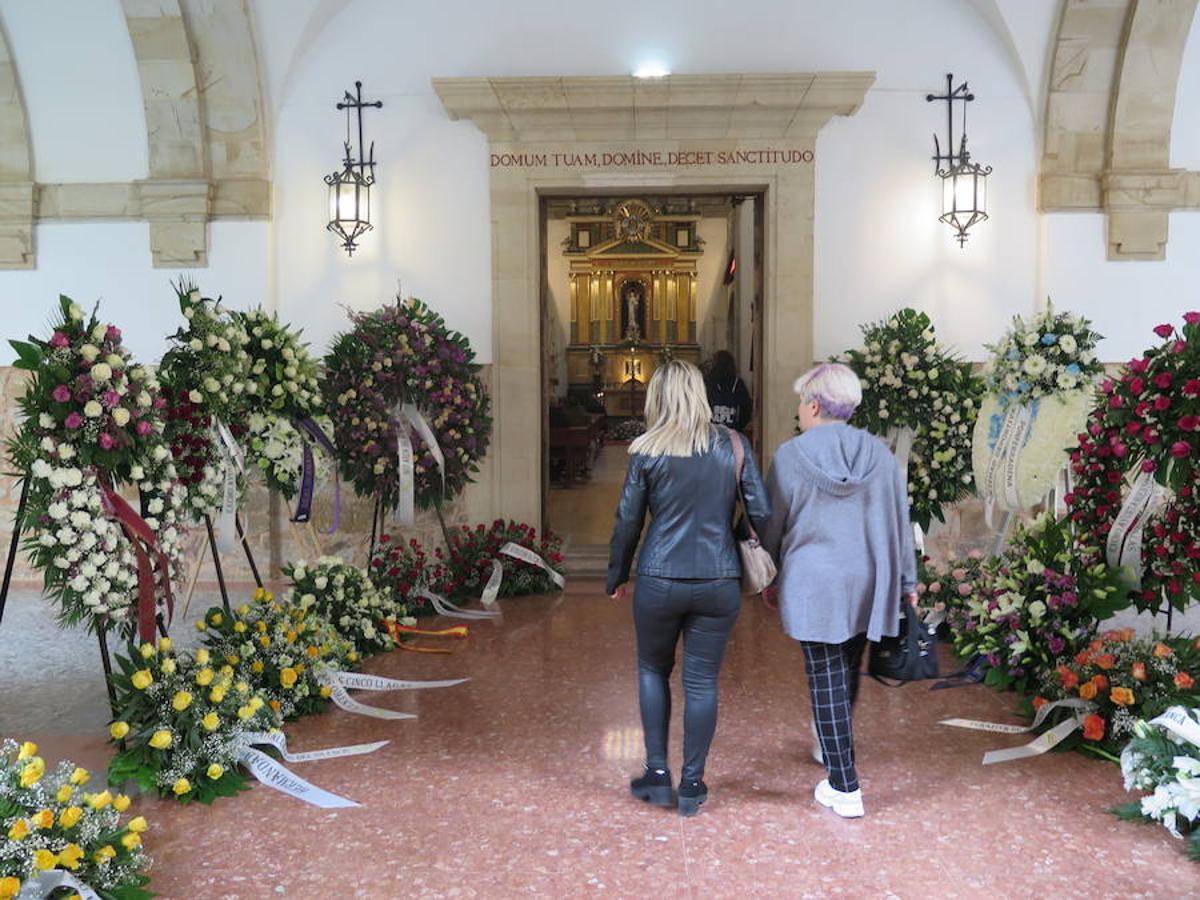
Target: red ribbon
144 543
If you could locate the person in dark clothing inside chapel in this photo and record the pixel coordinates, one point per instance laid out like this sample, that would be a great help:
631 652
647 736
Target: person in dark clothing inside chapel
727 393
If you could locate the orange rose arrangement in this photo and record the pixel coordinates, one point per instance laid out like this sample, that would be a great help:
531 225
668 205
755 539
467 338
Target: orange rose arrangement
1125 678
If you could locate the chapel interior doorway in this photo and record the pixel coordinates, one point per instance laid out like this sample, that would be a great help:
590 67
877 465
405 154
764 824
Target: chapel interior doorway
628 282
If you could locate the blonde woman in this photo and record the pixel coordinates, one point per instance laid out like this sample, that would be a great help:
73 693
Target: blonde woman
682 470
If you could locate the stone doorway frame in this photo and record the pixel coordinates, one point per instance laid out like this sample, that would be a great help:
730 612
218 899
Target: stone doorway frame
531 120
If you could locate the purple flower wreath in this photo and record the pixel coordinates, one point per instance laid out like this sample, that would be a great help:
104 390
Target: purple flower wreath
404 353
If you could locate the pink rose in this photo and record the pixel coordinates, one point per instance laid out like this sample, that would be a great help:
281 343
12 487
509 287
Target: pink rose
106 440
58 339
1189 423
1137 385
61 394
144 427
1120 451
964 589
113 333
1148 466
959 574
1162 380
1192 388
935 587
1162 402
111 399
1192 318
1181 450
1139 365
1164 331
73 420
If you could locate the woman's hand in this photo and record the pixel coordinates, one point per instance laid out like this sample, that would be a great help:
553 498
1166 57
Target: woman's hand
770 597
620 592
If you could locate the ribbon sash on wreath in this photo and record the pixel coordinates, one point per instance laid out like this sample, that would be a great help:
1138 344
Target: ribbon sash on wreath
307 426
1123 547
1000 481
145 546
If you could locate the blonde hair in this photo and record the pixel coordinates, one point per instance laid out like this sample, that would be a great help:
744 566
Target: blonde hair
678 417
834 386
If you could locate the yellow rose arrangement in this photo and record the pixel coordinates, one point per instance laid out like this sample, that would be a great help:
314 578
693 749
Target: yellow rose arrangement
281 648
179 723
51 825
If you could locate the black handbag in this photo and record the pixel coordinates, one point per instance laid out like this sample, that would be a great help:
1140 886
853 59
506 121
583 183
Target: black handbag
909 656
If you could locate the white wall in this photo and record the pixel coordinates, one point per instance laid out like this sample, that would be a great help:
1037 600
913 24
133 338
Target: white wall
79 78
110 263
1185 133
879 245
1124 300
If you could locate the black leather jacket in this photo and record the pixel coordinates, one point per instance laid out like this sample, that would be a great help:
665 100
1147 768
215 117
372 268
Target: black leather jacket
691 501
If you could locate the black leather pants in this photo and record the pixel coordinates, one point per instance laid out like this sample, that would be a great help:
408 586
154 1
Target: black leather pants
704 611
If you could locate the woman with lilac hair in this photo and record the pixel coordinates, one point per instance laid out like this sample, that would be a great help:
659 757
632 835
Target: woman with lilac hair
839 531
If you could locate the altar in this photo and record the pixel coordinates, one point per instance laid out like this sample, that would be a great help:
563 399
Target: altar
633 304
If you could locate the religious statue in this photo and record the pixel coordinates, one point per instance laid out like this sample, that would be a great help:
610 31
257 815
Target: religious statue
632 304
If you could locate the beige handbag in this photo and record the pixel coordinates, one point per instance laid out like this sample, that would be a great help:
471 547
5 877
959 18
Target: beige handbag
758 569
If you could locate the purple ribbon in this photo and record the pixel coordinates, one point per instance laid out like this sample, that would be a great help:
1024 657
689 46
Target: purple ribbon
307 478
323 441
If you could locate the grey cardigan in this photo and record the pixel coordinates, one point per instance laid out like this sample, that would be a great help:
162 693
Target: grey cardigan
840 533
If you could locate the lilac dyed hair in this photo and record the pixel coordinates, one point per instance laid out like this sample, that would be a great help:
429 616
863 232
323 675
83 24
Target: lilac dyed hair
834 386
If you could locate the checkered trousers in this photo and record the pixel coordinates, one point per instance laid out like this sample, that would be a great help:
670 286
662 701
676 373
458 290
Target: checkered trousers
833 674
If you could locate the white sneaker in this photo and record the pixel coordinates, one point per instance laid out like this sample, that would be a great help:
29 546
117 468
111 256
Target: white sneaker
817 755
848 805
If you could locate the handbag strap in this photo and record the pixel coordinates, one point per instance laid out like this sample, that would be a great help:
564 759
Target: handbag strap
739 462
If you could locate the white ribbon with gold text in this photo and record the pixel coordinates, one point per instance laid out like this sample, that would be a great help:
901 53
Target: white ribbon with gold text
1179 723
900 441
47 883
1039 744
233 465
1000 478
406 484
516 551
1124 546
276 776
410 412
340 682
278 740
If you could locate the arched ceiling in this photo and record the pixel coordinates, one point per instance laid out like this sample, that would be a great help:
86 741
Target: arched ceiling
136 109
1110 110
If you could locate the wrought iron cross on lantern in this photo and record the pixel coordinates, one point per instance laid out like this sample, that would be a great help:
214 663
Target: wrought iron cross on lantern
350 186
964 183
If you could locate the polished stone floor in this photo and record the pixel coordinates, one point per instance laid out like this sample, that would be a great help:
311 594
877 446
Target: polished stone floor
582 513
514 784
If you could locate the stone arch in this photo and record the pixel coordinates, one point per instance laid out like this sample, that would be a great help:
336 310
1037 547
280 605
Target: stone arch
205 121
1109 110
16 168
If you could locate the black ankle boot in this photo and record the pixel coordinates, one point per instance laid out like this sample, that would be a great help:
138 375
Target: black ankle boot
654 787
692 795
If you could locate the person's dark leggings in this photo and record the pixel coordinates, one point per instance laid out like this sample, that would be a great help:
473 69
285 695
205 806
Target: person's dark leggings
704 612
833 676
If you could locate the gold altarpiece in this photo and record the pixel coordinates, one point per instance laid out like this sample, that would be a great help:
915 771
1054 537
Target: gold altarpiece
633 285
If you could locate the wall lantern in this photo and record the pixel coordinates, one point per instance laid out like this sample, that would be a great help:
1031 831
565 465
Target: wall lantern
964 183
350 186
